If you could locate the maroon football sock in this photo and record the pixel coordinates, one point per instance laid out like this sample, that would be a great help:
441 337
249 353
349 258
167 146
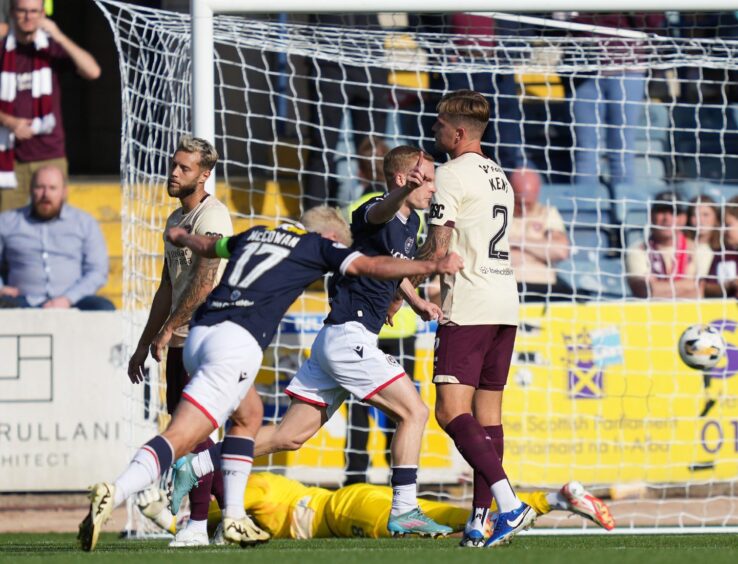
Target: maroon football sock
217 488
477 448
482 492
200 494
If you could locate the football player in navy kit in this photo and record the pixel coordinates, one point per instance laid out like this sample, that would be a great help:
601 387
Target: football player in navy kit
267 270
345 358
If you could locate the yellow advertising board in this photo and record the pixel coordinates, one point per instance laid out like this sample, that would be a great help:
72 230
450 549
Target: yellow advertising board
597 391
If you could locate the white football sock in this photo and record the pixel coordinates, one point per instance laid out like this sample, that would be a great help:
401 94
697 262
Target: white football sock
404 499
142 471
505 496
202 463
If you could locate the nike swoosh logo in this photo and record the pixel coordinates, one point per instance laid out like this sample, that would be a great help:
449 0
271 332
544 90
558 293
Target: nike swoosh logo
514 523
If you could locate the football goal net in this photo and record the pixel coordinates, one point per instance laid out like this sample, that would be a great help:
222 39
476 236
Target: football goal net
619 116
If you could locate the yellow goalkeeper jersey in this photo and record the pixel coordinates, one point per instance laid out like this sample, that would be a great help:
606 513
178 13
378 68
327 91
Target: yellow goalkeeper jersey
288 509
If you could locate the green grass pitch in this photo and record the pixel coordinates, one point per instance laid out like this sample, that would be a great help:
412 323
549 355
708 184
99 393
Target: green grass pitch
621 549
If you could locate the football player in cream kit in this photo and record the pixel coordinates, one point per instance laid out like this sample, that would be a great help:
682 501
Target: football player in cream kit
470 214
186 281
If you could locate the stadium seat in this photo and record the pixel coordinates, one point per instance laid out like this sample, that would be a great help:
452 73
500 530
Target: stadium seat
594 275
650 169
657 124
718 192
579 203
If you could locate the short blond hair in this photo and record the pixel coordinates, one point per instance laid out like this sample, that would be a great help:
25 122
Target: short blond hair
322 219
466 107
402 159
208 154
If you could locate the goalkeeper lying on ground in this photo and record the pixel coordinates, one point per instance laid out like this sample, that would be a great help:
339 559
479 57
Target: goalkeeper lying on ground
288 509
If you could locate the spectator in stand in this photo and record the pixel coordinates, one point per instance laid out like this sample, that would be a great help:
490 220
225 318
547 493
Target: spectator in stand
32 55
668 264
722 280
538 241
333 88
704 221
504 135
51 254
608 105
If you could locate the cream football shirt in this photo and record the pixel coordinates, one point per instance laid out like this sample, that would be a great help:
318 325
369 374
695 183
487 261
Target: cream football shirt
210 217
474 197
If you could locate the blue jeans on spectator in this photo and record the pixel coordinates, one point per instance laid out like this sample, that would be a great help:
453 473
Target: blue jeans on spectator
88 303
505 131
607 107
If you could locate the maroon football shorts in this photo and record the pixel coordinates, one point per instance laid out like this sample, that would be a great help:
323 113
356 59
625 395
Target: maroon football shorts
474 355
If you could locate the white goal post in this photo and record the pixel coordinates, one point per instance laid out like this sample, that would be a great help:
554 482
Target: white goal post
597 391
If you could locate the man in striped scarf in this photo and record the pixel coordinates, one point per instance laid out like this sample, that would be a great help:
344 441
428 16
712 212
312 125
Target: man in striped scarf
32 55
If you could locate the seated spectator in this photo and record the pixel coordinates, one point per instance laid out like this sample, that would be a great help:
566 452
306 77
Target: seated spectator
538 241
669 264
51 254
722 280
704 221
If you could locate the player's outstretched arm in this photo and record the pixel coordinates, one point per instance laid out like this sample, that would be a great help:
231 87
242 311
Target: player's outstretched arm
201 245
384 210
389 268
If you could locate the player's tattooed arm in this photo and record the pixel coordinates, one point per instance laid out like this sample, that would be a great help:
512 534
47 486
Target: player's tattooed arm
435 247
205 272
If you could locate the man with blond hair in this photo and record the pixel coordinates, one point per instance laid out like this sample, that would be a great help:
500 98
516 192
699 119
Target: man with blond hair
345 357
268 268
186 280
470 214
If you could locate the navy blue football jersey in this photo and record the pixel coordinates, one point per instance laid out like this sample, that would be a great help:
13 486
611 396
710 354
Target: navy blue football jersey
267 270
364 299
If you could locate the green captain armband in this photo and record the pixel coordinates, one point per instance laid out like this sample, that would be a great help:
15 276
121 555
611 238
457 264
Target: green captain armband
221 247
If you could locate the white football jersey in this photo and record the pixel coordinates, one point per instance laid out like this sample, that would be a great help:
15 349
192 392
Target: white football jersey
210 217
474 197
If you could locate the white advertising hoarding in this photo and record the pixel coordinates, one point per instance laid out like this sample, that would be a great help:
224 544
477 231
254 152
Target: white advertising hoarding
65 400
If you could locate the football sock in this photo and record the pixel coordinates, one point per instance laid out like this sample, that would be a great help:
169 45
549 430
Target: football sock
198 526
404 489
477 519
237 456
505 496
150 462
200 494
476 446
482 492
557 501
217 488
207 461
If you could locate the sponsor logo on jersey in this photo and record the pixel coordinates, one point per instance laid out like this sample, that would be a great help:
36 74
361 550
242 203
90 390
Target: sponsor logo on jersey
359 349
409 245
392 360
242 377
436 211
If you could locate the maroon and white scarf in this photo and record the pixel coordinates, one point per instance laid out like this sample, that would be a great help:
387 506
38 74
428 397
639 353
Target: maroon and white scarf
43 120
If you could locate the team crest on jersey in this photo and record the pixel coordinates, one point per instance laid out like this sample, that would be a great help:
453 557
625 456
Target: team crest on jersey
408 245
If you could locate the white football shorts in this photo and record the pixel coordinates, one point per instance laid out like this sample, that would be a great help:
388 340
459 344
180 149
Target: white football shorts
223 361
344 359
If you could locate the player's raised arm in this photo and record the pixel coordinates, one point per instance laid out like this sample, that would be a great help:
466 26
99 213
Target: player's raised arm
389 268
400 185
201 245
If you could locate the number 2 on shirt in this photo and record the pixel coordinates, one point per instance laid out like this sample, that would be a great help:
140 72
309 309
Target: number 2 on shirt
494 253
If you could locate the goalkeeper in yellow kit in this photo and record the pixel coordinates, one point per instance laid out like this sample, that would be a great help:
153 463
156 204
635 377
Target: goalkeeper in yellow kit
288 509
